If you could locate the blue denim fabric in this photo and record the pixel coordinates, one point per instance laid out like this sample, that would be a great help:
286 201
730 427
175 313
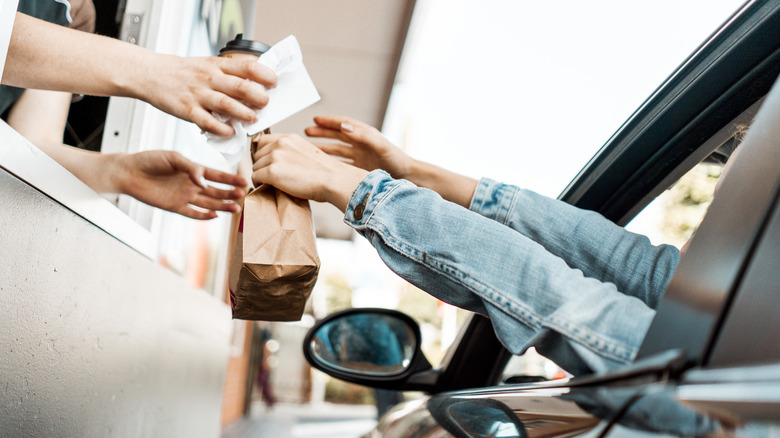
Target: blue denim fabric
567 281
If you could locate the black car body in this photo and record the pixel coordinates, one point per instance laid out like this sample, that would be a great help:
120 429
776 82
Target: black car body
710 363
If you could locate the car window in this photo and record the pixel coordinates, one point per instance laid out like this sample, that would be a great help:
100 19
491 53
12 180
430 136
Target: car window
674 216
439 321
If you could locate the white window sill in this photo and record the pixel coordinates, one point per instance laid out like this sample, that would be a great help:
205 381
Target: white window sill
28 163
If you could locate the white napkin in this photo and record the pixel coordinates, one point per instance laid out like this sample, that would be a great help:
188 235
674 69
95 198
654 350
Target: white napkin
294 91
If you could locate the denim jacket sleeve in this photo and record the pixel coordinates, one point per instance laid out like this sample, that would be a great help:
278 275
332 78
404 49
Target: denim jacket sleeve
531 295
585 239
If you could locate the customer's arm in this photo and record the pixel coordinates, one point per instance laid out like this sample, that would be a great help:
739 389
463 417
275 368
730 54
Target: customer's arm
46 56
586 240
368 149
468 260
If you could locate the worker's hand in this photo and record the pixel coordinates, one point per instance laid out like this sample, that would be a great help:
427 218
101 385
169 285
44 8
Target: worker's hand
46 56
195 88
366 147
299 168
168 180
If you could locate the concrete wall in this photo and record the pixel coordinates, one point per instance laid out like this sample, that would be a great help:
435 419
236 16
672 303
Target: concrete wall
96 339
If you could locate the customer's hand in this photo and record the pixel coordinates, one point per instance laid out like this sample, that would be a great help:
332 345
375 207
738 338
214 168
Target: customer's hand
195 88
366 147
168 180
297 167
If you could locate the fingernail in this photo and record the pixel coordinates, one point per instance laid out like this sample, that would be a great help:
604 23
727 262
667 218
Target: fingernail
347 127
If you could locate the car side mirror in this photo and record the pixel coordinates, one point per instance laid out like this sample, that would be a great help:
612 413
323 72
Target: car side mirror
372 347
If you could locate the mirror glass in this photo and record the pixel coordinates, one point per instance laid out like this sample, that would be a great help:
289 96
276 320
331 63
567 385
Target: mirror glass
373 344
486 419
479 417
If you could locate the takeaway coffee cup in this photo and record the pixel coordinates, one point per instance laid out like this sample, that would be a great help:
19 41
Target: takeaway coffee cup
241 48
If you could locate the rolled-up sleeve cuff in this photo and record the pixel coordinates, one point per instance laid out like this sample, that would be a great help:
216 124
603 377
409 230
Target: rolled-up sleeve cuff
367 197
494 200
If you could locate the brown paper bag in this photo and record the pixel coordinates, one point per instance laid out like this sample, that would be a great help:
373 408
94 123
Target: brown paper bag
275 261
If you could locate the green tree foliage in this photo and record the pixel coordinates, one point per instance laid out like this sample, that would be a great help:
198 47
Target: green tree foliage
339 293
420 306
687 201
338 391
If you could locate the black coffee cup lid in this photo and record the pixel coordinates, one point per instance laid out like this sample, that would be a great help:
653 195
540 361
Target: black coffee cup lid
239 44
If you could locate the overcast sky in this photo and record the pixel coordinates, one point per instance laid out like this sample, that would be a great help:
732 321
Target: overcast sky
527 91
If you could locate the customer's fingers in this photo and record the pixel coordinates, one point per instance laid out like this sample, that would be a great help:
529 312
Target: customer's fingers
260 172
263 142
320 132
345 129
336 149
333 122
330 127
